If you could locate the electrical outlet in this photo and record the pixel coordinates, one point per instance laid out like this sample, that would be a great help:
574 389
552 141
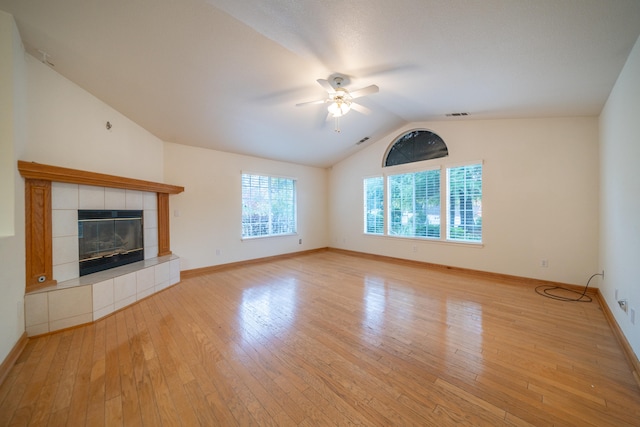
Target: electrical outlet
544 263
218 252
414 248
616 295
299 241
632 315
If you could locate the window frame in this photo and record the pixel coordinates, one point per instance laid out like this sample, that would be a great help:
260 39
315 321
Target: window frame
389 188
448 202
269 223
416 167
367 210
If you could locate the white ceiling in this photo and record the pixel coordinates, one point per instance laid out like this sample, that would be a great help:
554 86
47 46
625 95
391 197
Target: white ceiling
226 74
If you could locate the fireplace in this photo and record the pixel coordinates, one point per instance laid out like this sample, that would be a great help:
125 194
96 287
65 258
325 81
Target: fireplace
109 238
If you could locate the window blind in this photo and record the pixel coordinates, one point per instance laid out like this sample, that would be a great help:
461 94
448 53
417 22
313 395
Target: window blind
268 206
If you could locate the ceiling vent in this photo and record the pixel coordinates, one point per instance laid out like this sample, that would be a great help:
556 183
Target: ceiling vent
457 114
366 138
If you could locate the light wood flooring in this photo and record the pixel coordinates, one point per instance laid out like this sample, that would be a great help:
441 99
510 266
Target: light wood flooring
330 339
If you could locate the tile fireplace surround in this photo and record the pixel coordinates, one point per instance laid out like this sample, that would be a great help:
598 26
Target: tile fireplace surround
69 300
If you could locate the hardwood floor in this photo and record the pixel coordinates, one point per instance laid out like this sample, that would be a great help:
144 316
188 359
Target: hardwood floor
330 339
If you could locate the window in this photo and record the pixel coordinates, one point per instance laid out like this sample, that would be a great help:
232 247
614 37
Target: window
414 207
374 205
414 204
415 146
464 203
268 206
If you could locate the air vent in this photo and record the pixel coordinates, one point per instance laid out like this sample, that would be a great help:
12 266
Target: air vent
457 114
366 138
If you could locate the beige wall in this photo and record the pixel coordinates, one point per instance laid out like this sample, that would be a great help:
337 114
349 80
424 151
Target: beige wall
620 198
67 127
206 219
540 197
12 141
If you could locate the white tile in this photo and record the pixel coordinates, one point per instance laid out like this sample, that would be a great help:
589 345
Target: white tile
64 196
150 252
150 237
134 199
91 197
103 294
144 280
65 250
124 302
150 218
64 222
68 271
115 198
100 313
175 270
145 293
161 286
162 273
72 283
36 309
68 322
39 329
124 287
70 302
150 201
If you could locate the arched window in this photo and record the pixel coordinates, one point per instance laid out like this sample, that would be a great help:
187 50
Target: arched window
415 146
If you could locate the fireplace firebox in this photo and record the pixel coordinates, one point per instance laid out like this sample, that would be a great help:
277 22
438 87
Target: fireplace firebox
109 238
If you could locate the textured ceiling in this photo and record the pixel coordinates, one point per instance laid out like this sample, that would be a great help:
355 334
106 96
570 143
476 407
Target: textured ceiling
226 74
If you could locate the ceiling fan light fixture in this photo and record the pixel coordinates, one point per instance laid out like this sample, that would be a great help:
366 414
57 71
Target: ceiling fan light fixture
339 108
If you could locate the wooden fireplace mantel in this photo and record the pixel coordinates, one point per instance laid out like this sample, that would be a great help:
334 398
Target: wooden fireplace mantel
38 179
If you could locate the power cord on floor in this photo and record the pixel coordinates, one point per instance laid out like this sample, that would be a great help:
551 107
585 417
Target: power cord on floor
546 291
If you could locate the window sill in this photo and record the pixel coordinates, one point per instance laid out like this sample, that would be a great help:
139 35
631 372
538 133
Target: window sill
268 236
427 240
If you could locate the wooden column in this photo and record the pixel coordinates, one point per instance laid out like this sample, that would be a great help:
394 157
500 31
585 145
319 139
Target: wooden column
163 225
39 256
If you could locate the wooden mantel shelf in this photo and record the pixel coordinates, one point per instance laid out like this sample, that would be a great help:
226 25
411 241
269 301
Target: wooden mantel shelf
32 170
38 179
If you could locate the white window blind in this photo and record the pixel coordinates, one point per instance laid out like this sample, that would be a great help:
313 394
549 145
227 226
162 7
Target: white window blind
414 204
268 206
374 205
464 203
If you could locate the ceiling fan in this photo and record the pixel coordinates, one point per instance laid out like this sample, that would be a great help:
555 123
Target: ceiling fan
340 100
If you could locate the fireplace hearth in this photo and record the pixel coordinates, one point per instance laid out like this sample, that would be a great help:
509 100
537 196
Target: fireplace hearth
109 239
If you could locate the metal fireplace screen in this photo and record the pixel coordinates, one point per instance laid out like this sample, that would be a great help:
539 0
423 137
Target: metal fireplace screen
109 238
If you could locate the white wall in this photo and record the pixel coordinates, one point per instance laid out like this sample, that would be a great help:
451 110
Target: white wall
620 197
12 141
540 198
67 127
205 218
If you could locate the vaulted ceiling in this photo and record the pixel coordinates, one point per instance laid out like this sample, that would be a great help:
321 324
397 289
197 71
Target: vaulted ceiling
227 74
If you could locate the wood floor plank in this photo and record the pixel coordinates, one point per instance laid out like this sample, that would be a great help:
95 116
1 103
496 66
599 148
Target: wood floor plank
330 339
129 392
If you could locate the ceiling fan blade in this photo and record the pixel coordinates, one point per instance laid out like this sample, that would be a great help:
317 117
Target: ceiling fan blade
319 101
360 108
364 91
326 85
